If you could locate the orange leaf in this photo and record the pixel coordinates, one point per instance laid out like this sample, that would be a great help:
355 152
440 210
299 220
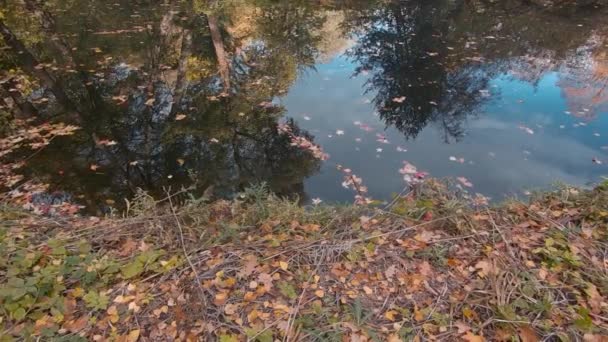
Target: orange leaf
527 334
473 338
390 315
220 298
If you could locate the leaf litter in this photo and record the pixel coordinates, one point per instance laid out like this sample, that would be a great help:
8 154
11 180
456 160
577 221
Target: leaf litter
429 266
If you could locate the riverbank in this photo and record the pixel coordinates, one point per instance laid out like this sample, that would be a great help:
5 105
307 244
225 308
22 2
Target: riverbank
430 266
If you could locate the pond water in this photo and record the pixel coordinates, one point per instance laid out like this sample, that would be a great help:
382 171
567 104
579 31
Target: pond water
511 95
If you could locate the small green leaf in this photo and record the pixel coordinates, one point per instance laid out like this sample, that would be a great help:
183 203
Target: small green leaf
132 269
19 314
287 290
583 323
96 300
256 335
228 338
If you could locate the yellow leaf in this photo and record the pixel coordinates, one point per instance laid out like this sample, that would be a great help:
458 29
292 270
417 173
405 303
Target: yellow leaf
120 299
468 313
78 292
320 293
390 315
283 265
133 336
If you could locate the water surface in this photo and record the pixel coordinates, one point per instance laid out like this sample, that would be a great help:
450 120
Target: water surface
512 95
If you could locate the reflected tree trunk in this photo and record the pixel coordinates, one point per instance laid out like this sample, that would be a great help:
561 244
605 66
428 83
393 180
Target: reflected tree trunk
31 65
220 51
181 84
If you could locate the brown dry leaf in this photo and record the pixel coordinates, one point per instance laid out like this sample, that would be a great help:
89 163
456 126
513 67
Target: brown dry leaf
134 307
180 117
357 337
133 336
425 236
393 338
470 337
484 268
595 338
503 335
595 299
220 298
127 247
112 314
542 273
390 272
462 327
231 309
42 323
159 311
320 293
418 315
76 325
311 227
527 334
425 269
587 232
249 266
249 296
120 299
266 279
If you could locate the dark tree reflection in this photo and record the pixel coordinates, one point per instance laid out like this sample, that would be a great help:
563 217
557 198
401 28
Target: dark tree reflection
403 46
189 105
430 62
